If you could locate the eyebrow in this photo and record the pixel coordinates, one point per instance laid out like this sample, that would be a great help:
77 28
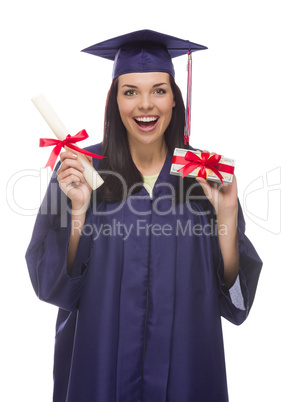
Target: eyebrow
154 86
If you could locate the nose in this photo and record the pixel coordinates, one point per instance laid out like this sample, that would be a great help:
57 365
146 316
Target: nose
145 102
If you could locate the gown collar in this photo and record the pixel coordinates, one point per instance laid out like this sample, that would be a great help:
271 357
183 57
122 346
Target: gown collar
164 178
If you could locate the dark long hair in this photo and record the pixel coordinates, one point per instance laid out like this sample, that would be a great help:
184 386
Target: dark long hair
116 147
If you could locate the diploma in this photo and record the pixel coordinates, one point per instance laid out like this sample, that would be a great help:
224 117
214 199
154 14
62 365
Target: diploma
48 113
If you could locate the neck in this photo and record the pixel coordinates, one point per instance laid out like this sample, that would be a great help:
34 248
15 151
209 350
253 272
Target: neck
149 159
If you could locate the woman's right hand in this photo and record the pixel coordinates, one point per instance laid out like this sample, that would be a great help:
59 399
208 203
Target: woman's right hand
72 181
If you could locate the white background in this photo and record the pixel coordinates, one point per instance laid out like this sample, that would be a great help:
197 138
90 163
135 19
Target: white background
238 110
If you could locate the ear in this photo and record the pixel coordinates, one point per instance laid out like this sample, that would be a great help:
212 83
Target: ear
173 104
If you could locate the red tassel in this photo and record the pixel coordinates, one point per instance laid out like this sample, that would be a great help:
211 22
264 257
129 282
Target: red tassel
188 100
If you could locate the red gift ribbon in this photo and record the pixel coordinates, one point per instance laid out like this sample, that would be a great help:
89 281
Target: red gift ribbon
192 161
68 141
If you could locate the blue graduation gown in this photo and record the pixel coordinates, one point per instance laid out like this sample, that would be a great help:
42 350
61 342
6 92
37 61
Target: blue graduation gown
140 316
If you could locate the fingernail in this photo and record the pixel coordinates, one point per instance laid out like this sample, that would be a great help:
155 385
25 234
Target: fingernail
75 156
82 167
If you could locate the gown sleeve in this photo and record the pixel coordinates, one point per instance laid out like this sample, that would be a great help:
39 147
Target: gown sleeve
236 302
46 255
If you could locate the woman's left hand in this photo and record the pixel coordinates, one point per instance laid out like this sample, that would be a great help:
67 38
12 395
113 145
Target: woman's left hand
222 197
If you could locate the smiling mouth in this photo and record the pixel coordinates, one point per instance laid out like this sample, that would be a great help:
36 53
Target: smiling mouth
146 123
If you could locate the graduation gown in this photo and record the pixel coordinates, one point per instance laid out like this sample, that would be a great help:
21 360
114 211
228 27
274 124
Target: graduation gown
140 316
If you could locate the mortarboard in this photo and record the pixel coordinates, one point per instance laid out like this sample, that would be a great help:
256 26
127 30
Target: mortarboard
147 51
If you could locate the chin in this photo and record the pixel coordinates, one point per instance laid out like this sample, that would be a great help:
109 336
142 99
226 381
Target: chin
147 139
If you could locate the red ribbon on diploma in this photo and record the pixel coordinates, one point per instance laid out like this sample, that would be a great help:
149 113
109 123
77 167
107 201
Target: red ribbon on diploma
192 161
68 141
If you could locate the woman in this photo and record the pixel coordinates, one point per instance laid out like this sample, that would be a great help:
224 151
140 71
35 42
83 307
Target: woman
141 277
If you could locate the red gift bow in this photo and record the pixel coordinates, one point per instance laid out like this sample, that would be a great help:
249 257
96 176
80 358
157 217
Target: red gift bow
191 161
68 141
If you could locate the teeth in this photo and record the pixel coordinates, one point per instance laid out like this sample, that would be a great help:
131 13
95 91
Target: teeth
146 119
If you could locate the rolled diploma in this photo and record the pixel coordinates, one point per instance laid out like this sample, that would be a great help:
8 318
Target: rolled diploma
48 113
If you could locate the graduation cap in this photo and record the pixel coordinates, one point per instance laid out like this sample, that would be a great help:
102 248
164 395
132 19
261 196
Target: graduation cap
147 51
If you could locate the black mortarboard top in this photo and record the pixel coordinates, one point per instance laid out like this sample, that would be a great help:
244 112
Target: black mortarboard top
145 51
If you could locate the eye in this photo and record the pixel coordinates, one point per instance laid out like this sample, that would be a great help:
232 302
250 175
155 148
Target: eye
130 92
159 91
